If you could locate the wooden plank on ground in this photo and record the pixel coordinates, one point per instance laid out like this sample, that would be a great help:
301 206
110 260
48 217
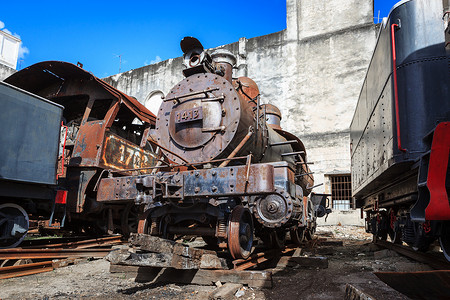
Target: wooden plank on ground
256 279
303 261
226 291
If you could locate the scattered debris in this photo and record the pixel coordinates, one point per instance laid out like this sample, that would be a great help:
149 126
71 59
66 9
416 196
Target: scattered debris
226 291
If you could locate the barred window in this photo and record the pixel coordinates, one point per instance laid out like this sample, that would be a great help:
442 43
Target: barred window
341 191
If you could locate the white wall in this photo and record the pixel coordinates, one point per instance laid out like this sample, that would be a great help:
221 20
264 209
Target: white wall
9 49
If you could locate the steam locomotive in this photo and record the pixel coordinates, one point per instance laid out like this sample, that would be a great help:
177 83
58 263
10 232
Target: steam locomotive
51 159
238 174
400 133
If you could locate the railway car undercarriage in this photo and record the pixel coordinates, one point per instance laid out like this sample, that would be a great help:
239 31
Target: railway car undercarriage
219 204
418 206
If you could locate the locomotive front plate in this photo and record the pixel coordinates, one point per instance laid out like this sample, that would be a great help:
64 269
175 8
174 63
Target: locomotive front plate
188 115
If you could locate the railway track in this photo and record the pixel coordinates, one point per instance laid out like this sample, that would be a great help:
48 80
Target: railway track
44 255
261 257
422 284
437 262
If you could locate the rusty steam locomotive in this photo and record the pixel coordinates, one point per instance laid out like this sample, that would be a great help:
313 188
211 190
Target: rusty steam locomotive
53 105
239 174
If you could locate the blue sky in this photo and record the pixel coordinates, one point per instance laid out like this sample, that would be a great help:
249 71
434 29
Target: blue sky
143 32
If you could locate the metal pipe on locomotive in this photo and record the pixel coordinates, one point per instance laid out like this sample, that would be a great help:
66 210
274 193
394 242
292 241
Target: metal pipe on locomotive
239 173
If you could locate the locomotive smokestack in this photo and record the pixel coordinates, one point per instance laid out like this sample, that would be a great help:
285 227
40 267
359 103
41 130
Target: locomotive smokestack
224 60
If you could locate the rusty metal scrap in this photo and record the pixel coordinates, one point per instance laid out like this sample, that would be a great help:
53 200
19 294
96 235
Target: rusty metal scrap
15 253
27 269
59 73
83 244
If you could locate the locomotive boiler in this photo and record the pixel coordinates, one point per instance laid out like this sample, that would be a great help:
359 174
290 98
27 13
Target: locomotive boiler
400 132
239 174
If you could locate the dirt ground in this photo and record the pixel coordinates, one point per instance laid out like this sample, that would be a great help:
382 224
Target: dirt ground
352 263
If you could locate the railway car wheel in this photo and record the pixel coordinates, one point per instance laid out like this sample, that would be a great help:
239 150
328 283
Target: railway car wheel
130 219
240 233
444 239
297 235
14 225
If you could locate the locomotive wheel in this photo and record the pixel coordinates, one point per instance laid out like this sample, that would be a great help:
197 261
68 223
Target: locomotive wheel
379 230
444 239
421 241
164 228
240 233
14 224
297 235
129 222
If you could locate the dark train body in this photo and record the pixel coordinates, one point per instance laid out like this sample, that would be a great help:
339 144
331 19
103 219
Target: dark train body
51 179
28 159
240 175
400 133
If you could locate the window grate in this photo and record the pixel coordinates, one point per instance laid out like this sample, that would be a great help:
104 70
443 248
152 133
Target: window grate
341 191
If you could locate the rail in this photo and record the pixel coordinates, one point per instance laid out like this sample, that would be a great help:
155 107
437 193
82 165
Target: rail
27 269
66 252
436 262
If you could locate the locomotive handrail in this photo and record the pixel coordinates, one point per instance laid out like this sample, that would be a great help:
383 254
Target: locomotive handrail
283 143
177 98
304 174
394 67
292 153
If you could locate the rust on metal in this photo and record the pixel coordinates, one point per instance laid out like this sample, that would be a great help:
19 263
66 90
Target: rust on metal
83 244
237 149
240 233
119 154
27 269
189 115
57 75
15 253
247 89
234 113
105 128
260 257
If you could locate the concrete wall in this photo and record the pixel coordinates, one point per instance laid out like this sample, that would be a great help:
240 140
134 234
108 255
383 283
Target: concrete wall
342 217
5 71
313 71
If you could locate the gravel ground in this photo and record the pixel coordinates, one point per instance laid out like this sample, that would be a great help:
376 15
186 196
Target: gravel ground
352 263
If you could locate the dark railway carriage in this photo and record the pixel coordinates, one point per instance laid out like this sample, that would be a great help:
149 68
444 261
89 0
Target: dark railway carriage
400 133
29 140
102 129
